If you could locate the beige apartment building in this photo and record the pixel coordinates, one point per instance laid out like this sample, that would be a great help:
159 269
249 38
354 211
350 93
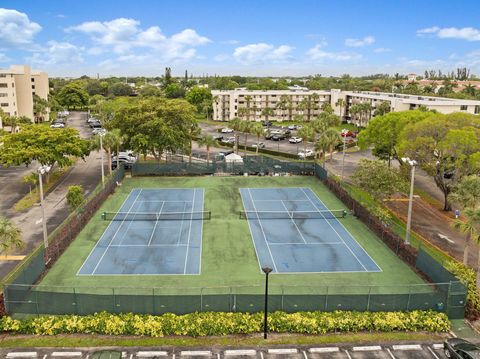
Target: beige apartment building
229 104
18 84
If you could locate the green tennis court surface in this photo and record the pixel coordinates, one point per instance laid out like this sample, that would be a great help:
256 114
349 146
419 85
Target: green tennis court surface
228 255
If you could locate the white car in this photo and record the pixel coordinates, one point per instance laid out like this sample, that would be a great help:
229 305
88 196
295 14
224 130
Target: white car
57 125
92 119
260 145
229 140
305 154
98 131
227 130
295 139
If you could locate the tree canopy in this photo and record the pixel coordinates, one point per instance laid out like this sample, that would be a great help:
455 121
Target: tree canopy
72 95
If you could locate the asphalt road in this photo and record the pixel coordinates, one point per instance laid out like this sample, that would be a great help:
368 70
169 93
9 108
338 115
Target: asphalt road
399 351
84 172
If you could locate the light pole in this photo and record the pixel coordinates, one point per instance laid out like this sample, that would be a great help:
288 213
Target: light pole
41 171
413 164
344 134
267 271
101 134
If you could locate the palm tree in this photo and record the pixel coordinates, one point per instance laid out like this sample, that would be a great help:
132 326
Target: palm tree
467 195
257 130
309 104
255 110
208 141
321 146
40 108
330 138
10 236
237 125
282 105
242 111
245 128
341 103
32 180
193 132
267 111
116 139
307 133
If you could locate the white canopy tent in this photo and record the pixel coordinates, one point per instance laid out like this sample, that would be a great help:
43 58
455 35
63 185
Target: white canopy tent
233 158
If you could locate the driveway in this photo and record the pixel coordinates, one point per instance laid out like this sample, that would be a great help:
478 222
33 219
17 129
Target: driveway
83 172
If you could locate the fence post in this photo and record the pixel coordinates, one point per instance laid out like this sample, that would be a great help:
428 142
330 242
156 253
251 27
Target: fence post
36 303
326 300
113 300
447 304
75 301
5 297
409 296
368 298
153 302
201 299
283 293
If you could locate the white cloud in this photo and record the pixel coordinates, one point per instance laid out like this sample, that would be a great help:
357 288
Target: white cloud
262 53
381 50
367 40
317 53
464 33
123 35
16 29
57 53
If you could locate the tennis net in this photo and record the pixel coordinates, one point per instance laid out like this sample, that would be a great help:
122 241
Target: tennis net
151 216
327 214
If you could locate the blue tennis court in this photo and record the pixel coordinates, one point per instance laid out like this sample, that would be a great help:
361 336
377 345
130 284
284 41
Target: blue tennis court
156 231
294 232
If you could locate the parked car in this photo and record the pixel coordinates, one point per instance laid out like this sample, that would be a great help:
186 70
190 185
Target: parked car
57 125
127 153
457 348
227 130
95 124
348 134
295 139
268 135
276 131
292 127
229 140
218 138
307 153
266 123
92 119
278 137
98 131
259 145
125 162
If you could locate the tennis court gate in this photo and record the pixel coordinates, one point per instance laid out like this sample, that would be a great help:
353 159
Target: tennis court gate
23 297
253 165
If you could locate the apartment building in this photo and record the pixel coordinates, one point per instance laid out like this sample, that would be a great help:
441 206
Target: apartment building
289 104
279 105
18 84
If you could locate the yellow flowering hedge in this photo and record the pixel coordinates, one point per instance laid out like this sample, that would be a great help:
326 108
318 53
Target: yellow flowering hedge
213 323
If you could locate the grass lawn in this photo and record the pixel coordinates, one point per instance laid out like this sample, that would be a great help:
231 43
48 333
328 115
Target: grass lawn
228 253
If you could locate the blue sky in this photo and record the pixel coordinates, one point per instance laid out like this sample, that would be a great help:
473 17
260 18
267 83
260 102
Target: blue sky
262 38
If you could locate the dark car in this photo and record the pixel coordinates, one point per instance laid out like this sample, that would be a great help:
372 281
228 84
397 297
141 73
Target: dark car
95 124
267 123
457 348
278 137
268 136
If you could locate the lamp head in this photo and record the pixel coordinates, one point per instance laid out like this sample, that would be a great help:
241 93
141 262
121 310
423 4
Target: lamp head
266 270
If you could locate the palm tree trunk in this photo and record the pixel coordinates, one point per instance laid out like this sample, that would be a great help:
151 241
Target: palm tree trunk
258 141
466 249
190 153
245 148
118 159
208 155
109 153
478 269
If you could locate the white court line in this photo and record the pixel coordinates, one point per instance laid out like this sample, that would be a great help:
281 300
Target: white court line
96 244
291 218
264 236
113 237
310 244
155 225
189 232
346 245
143 245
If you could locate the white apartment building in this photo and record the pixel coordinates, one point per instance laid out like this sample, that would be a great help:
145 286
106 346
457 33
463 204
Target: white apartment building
228 104
18 84
282 104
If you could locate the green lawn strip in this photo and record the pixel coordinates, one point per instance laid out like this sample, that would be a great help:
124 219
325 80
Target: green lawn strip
33 197
228 253
82 340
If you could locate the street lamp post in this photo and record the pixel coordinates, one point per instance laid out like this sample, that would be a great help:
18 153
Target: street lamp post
101 134
412 164
344 134
267 271
41 171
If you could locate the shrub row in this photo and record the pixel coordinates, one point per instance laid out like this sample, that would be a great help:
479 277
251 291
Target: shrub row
212 323
467 276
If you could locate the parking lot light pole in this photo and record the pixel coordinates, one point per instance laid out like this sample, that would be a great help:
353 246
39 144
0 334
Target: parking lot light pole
267 271
412 164
344 134
101 154
41 171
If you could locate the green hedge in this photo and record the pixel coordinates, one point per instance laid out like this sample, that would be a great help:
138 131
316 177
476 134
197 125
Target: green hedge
212 323
467 276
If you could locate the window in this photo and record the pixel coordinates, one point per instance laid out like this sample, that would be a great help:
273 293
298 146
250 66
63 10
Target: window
4 104
3 85
33 80
463 108
477 109
3 95
3 75
33 87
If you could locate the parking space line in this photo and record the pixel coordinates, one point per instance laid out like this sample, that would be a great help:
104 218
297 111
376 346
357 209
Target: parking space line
245 352
67 354
261 355
283 351
391 355
22 355
348 354
437 346
433 353
202 353
367 348
150 354
407 347
304 354
324 350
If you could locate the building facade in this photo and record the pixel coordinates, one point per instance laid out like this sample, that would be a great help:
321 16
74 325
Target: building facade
18 84
302 104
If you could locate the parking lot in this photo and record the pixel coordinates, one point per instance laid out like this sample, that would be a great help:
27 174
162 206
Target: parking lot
401 351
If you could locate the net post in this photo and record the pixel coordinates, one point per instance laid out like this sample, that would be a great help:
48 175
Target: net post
104 216
326 300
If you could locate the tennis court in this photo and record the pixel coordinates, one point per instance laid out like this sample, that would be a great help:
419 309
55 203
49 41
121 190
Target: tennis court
156 231
294 232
